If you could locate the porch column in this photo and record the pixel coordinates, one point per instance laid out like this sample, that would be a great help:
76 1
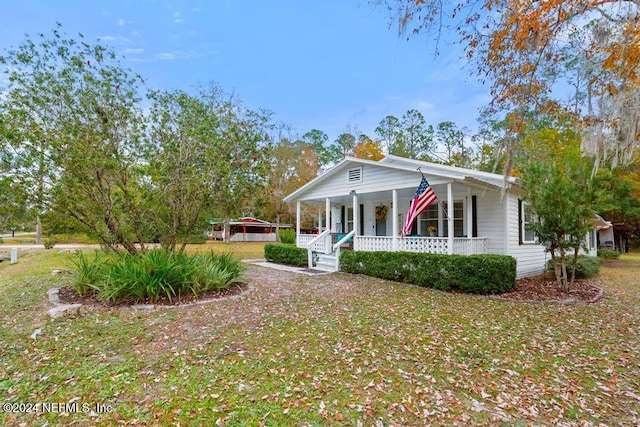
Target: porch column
450 218
469 214
356 223
319 219
297 221
394 219
327 208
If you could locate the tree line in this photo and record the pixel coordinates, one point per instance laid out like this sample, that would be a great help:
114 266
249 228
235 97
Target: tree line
86 148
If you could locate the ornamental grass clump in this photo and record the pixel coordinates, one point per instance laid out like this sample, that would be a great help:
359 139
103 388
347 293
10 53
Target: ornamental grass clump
87 272
212 272
153 275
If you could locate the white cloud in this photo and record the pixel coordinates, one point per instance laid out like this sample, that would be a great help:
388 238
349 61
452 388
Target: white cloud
176 54
122 22
107 38
132 50
163 56
425 105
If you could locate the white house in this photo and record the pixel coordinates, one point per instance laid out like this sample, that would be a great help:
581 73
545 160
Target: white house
364 204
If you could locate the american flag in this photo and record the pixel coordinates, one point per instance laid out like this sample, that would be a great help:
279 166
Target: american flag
423 198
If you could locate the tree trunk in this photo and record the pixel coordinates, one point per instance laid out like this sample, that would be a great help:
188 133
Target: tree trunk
574 266
227 229
560 268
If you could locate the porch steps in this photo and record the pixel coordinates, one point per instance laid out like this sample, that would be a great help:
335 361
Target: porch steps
326 262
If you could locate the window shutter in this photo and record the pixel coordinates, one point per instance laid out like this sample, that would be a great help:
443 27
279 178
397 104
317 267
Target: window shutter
520 219
474 217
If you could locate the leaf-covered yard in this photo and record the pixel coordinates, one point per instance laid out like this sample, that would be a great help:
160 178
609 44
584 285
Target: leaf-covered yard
324 349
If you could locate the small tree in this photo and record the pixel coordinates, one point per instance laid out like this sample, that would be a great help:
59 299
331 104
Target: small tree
186 141
557 178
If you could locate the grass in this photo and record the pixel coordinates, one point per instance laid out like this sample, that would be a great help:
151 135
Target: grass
242 250
325 350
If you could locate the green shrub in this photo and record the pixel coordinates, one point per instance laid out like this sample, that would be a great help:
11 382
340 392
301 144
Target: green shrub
286 254
50 242
587 266
608 254
478 274
287 236
153 275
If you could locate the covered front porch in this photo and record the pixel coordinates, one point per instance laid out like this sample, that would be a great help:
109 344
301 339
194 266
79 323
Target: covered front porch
362 205
373 220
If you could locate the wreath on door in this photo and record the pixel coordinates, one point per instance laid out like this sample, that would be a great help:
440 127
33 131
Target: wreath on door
381 212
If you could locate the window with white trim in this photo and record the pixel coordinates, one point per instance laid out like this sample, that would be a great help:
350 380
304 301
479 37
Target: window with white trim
528 236
429 221
458 220
349 219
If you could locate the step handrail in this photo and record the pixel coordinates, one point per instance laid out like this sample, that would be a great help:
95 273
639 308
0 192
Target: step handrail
344 239
312 242
339 243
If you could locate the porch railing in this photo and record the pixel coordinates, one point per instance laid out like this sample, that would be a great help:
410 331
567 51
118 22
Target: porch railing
304 239
470 246
434 245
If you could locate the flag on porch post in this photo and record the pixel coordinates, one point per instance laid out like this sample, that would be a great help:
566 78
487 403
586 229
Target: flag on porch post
421 200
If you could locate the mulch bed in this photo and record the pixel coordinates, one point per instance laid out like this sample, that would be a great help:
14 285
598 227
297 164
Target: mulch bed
539 288
69 296
544 288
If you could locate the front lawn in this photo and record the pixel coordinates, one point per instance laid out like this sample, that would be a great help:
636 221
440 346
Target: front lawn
327 349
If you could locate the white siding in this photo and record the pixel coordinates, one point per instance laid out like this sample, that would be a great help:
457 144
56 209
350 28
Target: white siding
490 217
531 258
374 178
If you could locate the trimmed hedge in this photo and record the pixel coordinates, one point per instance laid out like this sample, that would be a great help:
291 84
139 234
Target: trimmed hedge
287 236
608 254
476 274
286 254
587 266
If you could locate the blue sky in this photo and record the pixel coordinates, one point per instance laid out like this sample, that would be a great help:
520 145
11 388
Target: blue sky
315 64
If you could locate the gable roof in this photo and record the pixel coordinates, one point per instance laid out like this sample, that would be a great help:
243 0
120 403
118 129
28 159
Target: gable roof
414 166
438 169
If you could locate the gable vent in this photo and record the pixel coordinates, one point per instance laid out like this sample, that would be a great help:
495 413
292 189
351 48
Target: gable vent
355 175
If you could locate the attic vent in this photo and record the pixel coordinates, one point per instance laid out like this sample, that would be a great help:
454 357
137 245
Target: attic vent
355 175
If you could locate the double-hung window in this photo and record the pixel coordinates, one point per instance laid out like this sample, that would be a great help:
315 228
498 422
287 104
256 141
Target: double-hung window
527 217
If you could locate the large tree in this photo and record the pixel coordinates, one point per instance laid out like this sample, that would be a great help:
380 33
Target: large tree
527 50
409 136
72 123
319 142
79 146
205 155
292 163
